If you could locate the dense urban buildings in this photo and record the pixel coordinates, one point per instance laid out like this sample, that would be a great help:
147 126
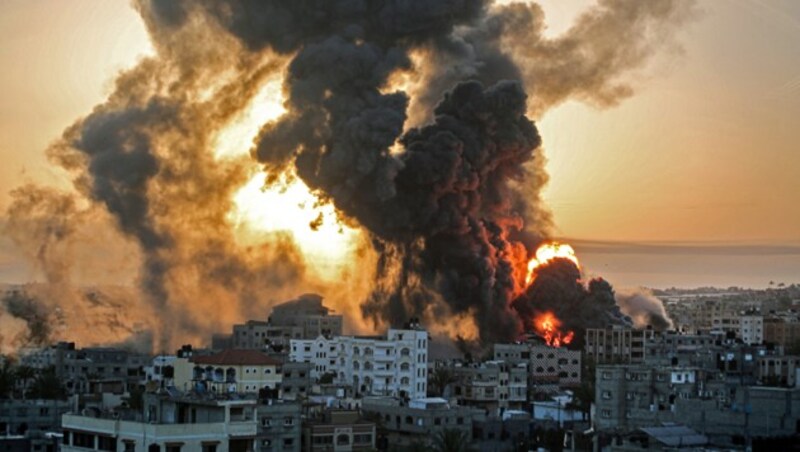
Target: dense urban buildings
715 384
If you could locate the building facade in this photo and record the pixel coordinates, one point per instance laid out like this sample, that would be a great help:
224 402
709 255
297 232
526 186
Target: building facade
395 364
230 370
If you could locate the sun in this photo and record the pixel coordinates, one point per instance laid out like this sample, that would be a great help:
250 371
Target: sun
288 207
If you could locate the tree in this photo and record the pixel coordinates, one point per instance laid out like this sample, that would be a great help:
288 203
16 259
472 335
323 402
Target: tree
451 440
439 379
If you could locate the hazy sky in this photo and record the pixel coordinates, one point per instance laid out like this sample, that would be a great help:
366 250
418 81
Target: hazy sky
706 150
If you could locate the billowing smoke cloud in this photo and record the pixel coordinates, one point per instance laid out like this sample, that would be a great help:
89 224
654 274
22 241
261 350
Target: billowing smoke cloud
444 174
644 308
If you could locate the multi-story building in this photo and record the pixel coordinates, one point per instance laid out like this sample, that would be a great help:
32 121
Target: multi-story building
491 385
297 381
549 367
779 370
19 417
172 423
616 344
751 328
79 368
338 431
303 318
279 426
783 329
420 420
395 364
228 371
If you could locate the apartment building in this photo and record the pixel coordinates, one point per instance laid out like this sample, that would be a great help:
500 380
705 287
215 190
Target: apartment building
491 385
616 344
549 368
395 364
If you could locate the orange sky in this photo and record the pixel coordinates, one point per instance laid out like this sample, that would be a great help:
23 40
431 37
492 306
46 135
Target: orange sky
705 151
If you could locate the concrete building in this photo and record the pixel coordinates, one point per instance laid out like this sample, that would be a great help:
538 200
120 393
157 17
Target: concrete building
779 370
550 368
243 371
338 431
616 344
418 420
395 364
629 397
297 382
79 368
21 417
172 423
751 328
279 426
492 385
162 369
783 329
303 318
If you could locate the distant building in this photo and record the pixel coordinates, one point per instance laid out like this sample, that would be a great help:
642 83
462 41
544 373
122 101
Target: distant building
395 364
492 385
228 371
21 417
303 318
616 344
418 420
172 423
338 430
549 368
296 380
79 369
783 329
629 397
779 370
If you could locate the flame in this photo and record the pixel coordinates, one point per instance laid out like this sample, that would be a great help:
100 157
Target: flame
548 326
546 253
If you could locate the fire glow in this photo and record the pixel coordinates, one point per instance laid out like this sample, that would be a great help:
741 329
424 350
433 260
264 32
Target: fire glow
546 253
548 326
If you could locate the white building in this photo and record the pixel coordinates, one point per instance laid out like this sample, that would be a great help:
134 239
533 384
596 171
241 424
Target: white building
396 364
751 329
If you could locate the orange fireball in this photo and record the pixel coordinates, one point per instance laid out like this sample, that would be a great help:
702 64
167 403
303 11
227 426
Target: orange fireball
546 253
548 327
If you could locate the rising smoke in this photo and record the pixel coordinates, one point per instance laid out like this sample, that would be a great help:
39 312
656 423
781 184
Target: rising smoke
443 174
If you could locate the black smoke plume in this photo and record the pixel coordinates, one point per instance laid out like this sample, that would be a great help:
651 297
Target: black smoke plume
444 174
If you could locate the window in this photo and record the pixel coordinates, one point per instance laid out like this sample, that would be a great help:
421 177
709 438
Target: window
362 439
266 421
210 447
130 446
342 440
288 442
288 421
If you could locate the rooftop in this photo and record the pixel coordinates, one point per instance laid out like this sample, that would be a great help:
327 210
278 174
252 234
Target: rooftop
236 357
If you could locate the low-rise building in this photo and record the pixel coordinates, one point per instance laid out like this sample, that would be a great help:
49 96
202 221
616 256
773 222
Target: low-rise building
492 385
779 370
338 430
19 417
228 371
418 421
171 423
629 397
279 426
